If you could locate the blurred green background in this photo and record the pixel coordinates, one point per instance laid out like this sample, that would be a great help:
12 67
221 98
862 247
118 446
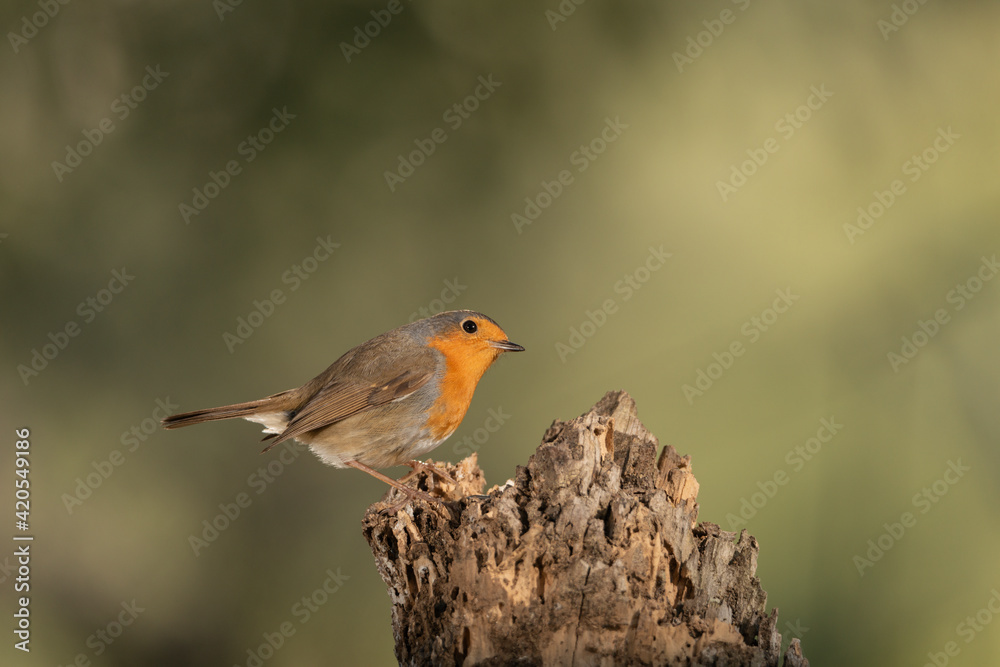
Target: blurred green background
687 98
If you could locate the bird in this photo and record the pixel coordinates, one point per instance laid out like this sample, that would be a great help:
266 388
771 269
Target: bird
384 403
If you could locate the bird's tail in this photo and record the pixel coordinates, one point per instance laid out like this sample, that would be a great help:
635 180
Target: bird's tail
223 412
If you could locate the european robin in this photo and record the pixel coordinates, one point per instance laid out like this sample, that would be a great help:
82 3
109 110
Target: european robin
384 403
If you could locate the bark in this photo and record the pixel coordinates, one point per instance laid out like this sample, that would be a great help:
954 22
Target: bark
591 555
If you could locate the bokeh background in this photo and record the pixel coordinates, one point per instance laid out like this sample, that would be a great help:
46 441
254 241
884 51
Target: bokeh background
558 79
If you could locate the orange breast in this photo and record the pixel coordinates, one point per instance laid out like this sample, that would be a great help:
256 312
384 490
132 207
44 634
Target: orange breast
464 366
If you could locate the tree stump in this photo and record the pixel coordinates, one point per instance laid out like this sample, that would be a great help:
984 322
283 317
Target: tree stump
590 556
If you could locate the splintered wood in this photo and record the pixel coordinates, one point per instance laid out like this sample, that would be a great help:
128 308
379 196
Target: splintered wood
591 555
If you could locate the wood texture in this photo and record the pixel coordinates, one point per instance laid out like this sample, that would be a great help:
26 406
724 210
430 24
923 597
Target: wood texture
591 555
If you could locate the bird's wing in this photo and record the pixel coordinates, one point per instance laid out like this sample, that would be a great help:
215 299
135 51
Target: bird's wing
339 400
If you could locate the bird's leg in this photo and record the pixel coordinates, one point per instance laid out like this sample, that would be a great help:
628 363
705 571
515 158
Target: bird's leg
409 491
416 466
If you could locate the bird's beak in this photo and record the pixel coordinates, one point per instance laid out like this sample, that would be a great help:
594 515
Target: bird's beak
506 345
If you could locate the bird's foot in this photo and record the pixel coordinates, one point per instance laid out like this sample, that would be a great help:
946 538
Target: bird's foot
409 492
422 466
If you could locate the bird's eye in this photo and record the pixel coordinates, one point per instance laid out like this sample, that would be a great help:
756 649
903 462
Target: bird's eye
469 326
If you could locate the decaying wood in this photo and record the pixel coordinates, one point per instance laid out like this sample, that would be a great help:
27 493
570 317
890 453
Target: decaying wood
591 555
